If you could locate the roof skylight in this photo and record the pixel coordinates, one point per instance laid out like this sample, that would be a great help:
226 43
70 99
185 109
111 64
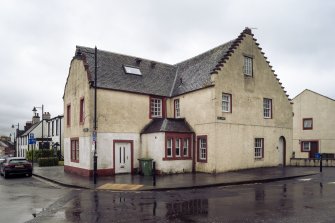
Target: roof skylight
132 70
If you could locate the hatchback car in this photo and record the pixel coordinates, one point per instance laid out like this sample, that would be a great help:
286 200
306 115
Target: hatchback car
16 166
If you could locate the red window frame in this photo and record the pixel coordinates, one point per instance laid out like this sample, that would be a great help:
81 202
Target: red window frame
74 150
175 137
202 137
82 111
163 107
176 102
303 123
68 115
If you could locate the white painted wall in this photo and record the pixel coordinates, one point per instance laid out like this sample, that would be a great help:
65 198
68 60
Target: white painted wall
153 145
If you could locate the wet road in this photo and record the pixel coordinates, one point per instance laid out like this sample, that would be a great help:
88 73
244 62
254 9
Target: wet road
23 197
310 199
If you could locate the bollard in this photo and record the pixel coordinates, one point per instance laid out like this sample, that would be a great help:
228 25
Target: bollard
320 162
153 173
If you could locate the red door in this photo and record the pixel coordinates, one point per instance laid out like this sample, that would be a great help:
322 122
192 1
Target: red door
314 149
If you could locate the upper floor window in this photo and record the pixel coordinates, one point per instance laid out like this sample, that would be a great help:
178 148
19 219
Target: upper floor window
307 123
247 67
156 108
259 148
267 108
176 108
82 111
226 102
68 115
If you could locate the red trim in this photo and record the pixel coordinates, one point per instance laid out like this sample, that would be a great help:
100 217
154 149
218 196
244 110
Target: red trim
68 115
180 136
75 151
317 149
303 126
86 172
198 148
81 110
131 154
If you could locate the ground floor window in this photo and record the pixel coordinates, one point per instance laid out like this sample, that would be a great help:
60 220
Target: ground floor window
178 146
75 150
259 148
202 148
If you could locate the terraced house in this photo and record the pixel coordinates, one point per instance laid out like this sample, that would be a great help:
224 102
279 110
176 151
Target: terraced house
222 110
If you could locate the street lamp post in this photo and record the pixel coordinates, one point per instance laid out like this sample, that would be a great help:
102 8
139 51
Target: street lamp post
15 141
34 110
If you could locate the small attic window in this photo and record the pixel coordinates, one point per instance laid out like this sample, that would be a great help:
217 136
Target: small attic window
132 70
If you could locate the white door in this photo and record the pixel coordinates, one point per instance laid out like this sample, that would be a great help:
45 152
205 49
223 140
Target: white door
122 158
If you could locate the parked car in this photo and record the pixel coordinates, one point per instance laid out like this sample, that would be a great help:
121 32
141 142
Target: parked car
15 166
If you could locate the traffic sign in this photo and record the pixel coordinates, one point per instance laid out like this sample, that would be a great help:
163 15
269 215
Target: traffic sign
32 141
94 136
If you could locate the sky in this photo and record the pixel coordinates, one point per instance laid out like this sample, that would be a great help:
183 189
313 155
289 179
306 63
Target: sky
38 40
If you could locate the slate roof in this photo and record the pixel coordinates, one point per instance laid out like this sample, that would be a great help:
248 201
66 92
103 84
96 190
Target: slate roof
158 78
161 79
167 125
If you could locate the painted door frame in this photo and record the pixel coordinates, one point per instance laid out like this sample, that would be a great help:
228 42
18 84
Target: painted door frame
284 149
131 153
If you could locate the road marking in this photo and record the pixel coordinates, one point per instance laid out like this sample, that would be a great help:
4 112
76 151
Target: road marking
331 182
110 186
307 179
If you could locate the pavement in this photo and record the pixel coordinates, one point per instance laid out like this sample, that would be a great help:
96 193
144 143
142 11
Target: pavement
128 182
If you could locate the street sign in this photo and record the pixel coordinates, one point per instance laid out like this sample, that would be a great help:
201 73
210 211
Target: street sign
317 155
32 141
94 136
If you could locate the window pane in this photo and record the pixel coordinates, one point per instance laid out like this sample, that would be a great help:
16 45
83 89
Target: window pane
169 148
178 147
247 68
259 143
156 107
226 100
185 145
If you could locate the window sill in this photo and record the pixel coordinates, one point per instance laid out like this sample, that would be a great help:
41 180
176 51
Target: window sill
259 159
202 161
75 161
176 158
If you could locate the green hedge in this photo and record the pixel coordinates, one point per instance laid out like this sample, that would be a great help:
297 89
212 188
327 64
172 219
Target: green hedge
46 153
48 161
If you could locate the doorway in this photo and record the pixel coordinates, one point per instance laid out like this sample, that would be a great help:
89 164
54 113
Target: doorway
282 151
123 157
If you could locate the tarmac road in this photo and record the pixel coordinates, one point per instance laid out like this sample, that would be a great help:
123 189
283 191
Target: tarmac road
22 198
308 199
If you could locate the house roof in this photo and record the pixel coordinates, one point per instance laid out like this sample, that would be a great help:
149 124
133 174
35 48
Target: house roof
159 78
31 128
167 125
313 93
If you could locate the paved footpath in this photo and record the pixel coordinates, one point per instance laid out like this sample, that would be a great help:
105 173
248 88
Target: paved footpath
127 182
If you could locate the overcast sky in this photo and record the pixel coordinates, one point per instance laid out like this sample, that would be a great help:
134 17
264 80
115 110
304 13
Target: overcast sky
38 40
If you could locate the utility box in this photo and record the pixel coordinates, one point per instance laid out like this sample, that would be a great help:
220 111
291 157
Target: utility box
145 166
